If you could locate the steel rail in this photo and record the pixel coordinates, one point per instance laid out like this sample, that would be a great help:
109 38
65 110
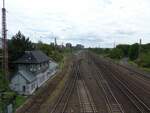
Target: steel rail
88 97
105 87
109 89
140 105
83 110
92 107
66 92
71 91
136 101
100 85
132 70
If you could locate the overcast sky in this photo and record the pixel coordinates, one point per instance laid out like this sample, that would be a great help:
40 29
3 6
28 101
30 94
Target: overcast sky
89 22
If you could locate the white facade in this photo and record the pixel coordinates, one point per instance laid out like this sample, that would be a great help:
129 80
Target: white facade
25 82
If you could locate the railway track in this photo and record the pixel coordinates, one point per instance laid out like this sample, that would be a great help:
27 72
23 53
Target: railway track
134 71
141 78
61 105
133 98
138 103
124 88
85 99
137 74
112 103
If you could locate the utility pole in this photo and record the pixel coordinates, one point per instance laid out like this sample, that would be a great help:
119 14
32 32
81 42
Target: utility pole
114 44
140 43
4 42
55 41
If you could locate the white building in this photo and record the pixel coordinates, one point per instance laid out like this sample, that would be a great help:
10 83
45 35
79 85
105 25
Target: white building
34 68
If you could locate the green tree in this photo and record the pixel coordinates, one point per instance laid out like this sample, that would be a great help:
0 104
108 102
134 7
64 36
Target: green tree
134 51
3 82
144 59
17 45
51 51
145 48
124 48
116 53
47 49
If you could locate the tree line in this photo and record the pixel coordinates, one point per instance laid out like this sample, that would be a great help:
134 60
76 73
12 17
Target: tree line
140 54
19 43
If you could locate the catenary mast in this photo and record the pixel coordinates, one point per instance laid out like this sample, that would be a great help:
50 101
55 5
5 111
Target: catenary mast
4 42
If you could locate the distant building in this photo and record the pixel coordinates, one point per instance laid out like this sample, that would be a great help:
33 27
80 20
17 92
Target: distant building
79 46
68 45
61 46
34 68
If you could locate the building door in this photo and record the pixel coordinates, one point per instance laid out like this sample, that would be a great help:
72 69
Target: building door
24 88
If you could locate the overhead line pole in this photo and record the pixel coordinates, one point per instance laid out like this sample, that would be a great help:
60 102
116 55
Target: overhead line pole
4 43
140 44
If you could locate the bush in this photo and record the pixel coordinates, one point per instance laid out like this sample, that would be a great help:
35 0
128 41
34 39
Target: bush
144 60
116 53
3 82
124 48
134 51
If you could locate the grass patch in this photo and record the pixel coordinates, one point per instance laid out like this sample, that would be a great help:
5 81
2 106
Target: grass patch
3 83
142 68
19 100
62 62
132 63
146 69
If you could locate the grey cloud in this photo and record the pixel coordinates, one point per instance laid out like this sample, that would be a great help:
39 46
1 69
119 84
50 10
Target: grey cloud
38 30
89 37
101 21
123 32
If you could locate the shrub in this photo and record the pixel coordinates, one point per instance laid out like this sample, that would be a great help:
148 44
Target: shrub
116 53
144 60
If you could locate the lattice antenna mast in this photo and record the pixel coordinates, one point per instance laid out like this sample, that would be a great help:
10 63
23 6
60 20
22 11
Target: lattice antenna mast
140 43
4 42
55 41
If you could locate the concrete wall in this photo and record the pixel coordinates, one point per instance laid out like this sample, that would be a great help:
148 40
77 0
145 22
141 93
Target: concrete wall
22 86
32 87
17 84
42 77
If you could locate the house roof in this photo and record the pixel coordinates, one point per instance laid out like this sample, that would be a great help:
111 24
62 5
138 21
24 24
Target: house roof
28 76
36 56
